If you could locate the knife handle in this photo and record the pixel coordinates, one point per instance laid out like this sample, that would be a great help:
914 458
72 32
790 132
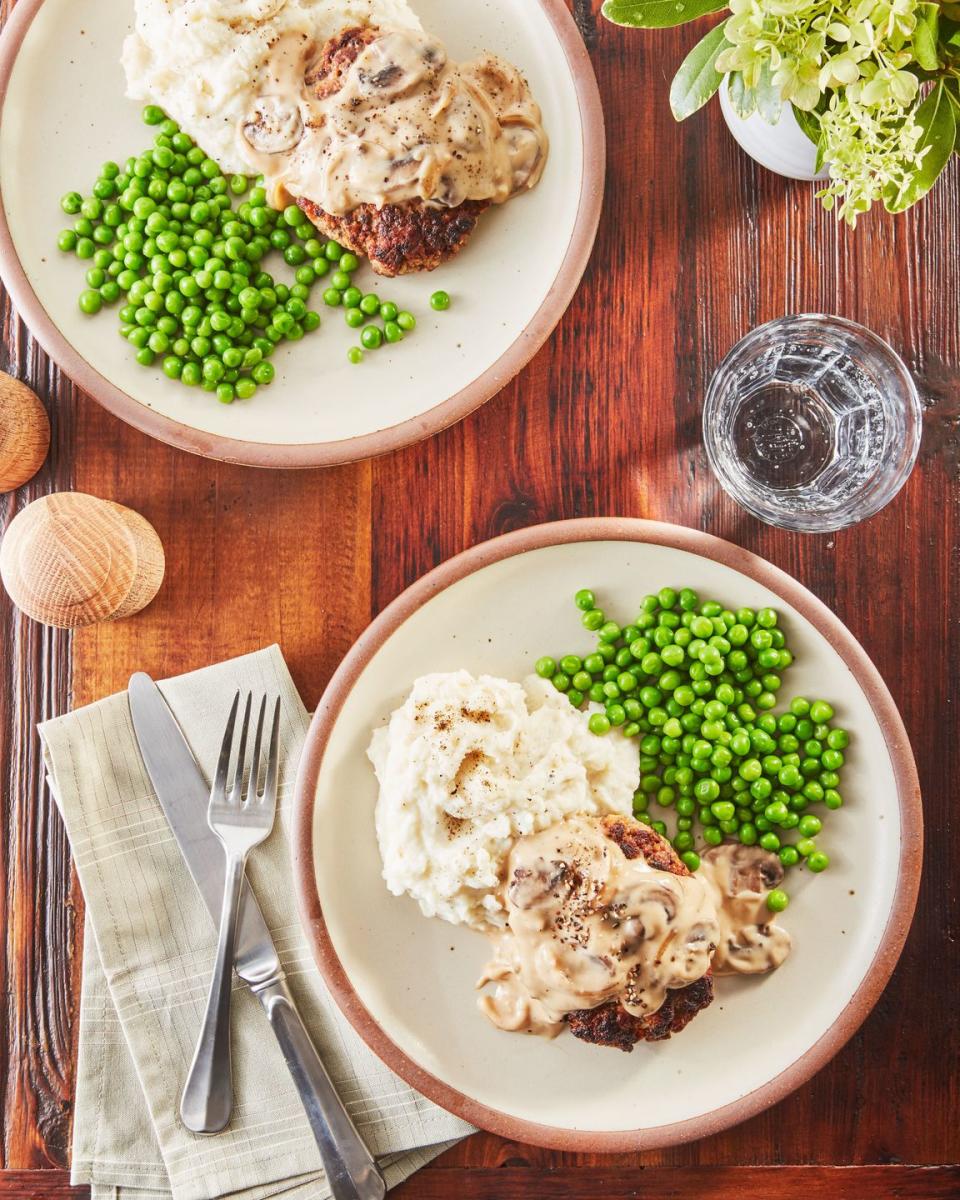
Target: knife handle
352 1172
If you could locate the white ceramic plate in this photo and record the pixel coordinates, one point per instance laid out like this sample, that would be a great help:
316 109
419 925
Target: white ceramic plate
64 113
407 983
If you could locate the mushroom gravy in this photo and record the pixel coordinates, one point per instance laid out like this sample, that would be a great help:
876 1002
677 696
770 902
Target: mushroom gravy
739 878
406 124
586 925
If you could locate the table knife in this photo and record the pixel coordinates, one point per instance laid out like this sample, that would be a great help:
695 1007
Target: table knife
184 795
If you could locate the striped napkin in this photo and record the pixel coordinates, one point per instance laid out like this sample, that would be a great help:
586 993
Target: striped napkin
148 952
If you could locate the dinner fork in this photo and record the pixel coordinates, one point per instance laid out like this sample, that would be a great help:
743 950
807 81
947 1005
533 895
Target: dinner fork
241 818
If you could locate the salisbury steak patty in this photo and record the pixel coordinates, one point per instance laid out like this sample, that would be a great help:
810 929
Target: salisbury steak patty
398 238
610 1024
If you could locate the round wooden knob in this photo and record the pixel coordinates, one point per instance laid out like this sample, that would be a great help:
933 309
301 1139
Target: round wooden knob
24 433
70 559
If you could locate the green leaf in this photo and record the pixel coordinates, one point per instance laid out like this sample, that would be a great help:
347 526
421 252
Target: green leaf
743 99
698 78
925 36
658 14
809 122
952 88
769 101
936 116
950 33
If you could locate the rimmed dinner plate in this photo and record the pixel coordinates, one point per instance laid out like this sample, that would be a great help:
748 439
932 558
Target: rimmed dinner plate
407 983
63 113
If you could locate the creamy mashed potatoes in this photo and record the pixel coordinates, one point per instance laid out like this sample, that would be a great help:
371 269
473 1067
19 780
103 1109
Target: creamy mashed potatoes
200 60
466 766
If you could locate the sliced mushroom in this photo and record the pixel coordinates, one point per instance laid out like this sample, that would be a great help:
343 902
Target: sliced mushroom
749 868
274 126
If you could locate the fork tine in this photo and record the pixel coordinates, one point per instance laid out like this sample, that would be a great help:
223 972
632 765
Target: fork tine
236 792
253 789
223 763
273 762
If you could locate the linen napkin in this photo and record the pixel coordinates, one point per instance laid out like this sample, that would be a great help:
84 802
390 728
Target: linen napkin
149 945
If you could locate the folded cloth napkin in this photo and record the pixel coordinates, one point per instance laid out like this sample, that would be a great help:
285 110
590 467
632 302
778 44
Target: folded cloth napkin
149 946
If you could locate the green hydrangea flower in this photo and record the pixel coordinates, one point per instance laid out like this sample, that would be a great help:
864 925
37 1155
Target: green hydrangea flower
872 151
814 46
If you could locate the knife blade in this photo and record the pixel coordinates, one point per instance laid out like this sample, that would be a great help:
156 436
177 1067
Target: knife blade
351 1170
184 796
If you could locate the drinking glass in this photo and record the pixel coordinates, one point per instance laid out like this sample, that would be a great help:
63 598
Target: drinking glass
812 423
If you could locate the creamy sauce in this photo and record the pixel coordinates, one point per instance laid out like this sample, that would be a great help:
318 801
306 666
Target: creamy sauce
739 878
406 124
587 925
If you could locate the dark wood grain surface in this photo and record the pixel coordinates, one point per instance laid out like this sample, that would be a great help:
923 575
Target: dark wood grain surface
697 246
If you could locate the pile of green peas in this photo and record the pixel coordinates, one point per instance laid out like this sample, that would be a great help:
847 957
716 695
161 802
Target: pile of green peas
163 240
695 683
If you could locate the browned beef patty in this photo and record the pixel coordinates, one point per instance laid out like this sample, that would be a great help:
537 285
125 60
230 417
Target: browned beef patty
398 238
610 1024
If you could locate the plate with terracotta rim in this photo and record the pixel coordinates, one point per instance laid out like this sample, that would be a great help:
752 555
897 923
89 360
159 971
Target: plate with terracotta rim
406 982
62 89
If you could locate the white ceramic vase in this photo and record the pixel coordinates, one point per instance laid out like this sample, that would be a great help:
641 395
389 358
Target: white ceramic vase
783 148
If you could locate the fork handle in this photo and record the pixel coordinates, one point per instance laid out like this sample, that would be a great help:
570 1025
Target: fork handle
207 1100
351 1170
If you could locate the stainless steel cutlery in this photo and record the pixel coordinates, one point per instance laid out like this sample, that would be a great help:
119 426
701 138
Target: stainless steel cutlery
183 793
242 816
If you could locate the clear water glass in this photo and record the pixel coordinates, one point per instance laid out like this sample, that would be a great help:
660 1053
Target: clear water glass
812 423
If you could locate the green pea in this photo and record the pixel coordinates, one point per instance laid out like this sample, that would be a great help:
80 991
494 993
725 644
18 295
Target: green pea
777 900
748 834
369 304
818 861
263 373
599 724
332 297
809 826
371 338
407 321
770 841
355 354
592 619
440 301
90 302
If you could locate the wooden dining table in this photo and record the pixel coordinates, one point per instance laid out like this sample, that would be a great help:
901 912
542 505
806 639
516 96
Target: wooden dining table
697 245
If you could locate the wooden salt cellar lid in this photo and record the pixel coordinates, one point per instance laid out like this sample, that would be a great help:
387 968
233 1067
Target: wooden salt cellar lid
24 433
71 559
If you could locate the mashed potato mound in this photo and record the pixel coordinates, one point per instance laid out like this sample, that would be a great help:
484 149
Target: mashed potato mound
200 60
466 766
